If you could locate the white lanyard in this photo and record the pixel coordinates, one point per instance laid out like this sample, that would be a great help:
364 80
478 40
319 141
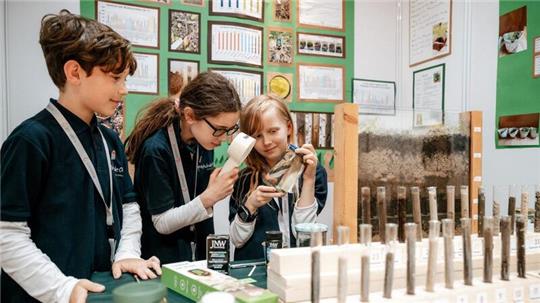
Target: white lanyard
179 165
182 177
283 220
85 159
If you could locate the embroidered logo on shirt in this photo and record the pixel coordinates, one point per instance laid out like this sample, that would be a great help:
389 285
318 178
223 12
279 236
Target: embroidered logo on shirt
206 166
113 155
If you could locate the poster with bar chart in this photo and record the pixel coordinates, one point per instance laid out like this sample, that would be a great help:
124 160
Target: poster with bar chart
248 9
138 24
231 43
248 84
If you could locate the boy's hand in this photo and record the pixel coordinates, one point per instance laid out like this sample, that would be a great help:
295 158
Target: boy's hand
141 268
219 187
310 160
81 289
260 196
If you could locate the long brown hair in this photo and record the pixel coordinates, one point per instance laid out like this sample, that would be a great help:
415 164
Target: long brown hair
250 124
209 94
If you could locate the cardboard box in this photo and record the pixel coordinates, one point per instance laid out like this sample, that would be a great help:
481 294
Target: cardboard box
194 279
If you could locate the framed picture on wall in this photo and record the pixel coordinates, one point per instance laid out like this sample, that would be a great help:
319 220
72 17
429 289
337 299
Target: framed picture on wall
328 14
281 10
193 2
320 45
313 128
280 84
374 97
248 84
430 30
280 46
428 96
187 68
138 24
184 31
145 80
321 83
232 43
247 9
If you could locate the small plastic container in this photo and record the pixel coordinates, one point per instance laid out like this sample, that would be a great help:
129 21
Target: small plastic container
304 230
144 292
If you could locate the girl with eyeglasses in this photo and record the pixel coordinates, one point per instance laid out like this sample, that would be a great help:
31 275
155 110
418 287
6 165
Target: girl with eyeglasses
256 208
172 149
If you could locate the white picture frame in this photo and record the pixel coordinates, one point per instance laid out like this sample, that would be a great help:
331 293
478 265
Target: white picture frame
145 80
138 24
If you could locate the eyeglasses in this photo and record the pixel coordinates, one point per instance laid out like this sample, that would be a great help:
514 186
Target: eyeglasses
218 132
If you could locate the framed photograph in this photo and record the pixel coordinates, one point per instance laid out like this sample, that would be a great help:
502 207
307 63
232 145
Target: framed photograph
232 43
281 85
518 130
430 30
281 10
280 46
199 3
536 65
145 80
247 9
428 96
328 14
374 97
313 128
138 24
320 83
187 68
248 84
320 45
184 31
513 32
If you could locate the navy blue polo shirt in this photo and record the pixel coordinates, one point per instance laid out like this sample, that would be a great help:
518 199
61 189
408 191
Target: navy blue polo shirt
158 188
45 183
267 218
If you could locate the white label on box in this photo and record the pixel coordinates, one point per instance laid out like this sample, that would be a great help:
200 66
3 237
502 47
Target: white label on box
462 299
518 294
500 295
477 179
477 129
377 256
534 244
534 292
475 201
477 247
477 155
481 298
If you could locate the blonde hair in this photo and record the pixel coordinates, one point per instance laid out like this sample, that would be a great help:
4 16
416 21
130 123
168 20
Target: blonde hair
250 124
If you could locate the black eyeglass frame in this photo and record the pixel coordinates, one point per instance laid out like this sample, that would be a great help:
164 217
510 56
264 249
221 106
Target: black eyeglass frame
218 132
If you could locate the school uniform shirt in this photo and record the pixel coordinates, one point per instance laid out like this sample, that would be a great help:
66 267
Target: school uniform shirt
167 218
51 210
247 237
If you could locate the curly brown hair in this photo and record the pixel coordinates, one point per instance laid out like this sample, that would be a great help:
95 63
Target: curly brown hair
65 36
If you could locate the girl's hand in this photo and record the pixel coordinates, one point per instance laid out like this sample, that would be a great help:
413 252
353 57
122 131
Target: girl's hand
310 160
219 187
260 196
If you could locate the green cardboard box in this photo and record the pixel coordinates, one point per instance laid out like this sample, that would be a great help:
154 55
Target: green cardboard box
194 279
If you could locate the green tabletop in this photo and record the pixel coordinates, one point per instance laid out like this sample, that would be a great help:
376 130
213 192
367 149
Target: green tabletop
105 278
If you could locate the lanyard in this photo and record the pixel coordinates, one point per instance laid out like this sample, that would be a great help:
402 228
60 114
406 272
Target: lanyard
180 166
182 177
85 159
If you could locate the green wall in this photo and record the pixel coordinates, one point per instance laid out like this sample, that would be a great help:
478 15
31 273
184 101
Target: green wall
136 101
517 91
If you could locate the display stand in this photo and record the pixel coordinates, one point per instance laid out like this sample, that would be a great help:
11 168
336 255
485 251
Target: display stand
289 270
